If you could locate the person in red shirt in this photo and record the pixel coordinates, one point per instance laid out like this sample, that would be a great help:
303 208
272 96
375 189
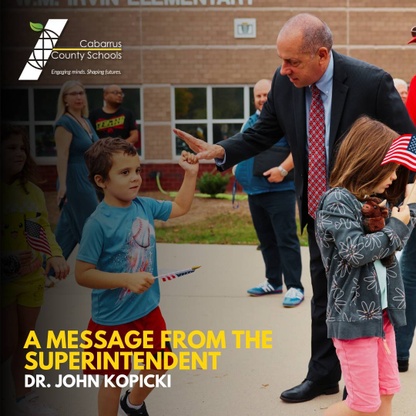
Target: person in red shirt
411 97
405 334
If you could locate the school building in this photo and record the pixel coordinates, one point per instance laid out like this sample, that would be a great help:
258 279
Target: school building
185 63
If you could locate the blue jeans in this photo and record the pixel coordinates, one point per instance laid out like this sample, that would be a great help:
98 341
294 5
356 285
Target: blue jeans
274 219
404 334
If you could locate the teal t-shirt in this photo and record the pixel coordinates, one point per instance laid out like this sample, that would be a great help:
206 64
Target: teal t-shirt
120 240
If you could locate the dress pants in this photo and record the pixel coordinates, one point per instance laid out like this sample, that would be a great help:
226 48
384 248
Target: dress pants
404 334
324 367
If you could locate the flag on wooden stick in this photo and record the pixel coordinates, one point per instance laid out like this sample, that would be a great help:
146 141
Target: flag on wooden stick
174 275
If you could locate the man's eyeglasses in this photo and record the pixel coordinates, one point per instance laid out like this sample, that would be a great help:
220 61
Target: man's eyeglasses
413 31
75 93
117 93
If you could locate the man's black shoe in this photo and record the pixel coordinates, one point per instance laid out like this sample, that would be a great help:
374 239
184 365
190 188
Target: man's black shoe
403 365
306 391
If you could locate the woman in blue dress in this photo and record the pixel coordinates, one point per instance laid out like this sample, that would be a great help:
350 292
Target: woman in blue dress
74 134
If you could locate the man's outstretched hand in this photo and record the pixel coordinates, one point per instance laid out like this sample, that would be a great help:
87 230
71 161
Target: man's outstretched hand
202 149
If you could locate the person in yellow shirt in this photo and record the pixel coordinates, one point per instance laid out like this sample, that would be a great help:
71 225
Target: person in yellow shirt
26 241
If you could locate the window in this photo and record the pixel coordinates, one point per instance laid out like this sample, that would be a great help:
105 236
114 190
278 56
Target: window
36 108
14 104
44 111
211 113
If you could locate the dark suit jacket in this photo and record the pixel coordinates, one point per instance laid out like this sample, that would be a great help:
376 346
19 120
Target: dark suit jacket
358 88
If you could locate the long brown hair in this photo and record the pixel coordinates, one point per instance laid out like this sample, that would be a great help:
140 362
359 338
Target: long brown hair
358 162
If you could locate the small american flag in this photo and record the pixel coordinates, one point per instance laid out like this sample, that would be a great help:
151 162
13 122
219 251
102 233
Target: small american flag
402 151
36 237
180 273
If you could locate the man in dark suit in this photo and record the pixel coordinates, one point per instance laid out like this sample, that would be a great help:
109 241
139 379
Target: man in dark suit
348 88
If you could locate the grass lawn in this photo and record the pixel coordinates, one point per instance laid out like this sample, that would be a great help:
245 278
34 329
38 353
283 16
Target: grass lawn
213 221
220 229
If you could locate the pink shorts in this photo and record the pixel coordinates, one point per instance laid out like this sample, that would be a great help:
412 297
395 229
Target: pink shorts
368 369
153 321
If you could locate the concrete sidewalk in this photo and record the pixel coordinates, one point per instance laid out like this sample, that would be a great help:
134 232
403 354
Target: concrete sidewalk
248 381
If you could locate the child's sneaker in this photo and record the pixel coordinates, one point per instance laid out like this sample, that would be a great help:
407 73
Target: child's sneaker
32 406
127 410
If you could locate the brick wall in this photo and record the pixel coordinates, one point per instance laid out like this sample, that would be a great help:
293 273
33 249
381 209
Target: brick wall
197 45
172 45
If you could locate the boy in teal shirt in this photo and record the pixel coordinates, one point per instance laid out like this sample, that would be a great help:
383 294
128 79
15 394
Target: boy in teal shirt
117 259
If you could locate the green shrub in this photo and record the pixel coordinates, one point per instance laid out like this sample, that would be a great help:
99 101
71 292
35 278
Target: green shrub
212 184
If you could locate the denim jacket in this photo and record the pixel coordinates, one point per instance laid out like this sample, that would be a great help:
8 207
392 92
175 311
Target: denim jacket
348 254
254 185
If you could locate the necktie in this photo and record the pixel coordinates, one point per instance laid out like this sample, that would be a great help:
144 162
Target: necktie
316 159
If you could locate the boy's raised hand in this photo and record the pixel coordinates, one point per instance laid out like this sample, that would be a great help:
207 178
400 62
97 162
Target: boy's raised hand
183 200
189 162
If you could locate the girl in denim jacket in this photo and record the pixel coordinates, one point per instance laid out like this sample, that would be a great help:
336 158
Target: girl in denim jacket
365 299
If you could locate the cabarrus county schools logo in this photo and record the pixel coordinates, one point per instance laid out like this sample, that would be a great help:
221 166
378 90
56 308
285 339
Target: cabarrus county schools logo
48 38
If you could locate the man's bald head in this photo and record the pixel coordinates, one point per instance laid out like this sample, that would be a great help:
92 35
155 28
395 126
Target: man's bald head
260 91
313 32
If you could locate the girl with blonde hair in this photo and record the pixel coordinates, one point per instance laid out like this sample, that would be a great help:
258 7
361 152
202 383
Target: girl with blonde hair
74 135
